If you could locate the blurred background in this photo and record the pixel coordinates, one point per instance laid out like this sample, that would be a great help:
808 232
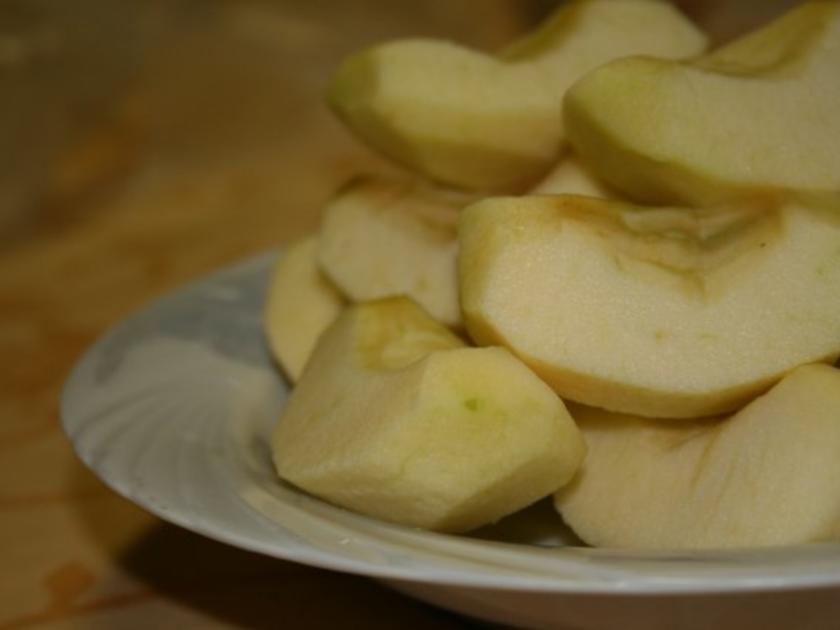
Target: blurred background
142 143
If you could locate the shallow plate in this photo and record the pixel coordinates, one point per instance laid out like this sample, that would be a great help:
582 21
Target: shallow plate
173 407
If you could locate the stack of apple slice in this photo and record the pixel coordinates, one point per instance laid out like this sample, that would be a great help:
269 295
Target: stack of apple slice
692 331
493 123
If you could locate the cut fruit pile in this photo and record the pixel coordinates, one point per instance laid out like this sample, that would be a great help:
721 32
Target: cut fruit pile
435 335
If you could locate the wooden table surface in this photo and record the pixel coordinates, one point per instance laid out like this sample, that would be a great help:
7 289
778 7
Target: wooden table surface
145 143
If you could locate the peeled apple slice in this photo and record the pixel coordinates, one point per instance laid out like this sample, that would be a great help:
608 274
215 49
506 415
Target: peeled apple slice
396 418
488 123
301 304
382 238
668 313
767 476
758 117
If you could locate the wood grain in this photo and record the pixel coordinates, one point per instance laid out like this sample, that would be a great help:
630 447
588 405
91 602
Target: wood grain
145 144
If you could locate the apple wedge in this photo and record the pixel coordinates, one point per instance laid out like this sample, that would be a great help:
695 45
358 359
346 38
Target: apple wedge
766 476
301 304
381 238
757 117
669 313
395 418
493 123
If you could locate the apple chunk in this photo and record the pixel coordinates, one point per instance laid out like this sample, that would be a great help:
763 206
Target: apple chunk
653 311
493 123
381 238
301 304
395 418
761 114
766 476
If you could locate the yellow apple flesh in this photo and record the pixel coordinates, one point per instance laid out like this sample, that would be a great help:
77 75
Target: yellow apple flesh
493 123
381 238
760 116
571 177
301 303
767 476
395 418
653 311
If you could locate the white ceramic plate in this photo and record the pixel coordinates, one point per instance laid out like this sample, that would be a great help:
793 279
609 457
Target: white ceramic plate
172 409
